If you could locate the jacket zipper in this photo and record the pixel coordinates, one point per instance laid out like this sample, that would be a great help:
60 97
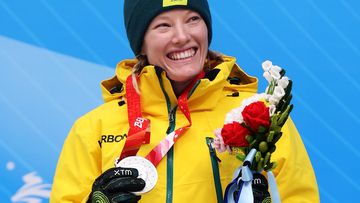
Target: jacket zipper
215 168
170 153
170 158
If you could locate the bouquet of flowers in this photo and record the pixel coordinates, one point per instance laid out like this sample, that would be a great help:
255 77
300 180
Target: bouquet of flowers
252 129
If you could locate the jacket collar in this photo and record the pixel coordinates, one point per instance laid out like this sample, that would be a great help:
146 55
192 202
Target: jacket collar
205 96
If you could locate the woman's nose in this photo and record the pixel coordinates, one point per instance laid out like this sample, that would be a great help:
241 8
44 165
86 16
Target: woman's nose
181 35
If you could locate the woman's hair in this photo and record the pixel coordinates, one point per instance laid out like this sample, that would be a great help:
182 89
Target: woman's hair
140 64
212 57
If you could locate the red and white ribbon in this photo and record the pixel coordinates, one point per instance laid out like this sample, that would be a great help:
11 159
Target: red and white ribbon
139 132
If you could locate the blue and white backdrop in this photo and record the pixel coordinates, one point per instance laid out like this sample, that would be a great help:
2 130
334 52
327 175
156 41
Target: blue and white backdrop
53 54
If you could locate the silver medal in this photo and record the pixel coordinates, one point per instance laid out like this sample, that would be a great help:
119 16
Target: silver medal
147 171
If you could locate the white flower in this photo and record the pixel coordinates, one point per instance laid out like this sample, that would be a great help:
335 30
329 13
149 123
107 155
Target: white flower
250 100
267 96
275 72
276 68
273 100
234 115
272 110
279 92
266 65
283 82
271 72
263 96
267 76
229 118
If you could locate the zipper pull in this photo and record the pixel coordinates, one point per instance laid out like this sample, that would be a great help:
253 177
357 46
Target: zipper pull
172 115
209 142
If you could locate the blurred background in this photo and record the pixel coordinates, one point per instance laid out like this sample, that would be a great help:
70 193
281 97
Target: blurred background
53 54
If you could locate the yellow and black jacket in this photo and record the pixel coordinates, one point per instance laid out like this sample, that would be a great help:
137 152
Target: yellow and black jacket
188 172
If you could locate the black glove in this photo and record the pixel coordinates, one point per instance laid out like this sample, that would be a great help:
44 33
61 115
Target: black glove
260 189
115 186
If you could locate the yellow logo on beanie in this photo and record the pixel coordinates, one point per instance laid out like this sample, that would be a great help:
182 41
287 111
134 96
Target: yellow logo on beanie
167 3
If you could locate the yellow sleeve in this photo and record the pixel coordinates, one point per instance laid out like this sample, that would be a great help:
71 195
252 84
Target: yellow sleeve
78 166
294 174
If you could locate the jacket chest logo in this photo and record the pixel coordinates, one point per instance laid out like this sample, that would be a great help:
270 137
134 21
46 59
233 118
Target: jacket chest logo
111 139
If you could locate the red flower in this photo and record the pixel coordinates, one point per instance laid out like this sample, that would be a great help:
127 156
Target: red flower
234 134
255 115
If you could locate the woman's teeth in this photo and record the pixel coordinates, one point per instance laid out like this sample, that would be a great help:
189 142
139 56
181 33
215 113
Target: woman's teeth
182 55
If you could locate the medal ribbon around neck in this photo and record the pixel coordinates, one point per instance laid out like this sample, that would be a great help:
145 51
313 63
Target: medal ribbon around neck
139 132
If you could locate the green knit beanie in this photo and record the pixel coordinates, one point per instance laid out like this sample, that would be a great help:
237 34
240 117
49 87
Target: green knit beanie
138 14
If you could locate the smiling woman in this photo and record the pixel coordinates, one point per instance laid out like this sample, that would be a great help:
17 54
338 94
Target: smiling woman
167 103
177 41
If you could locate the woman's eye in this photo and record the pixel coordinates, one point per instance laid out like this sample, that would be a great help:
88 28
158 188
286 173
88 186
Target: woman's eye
162 25
194 18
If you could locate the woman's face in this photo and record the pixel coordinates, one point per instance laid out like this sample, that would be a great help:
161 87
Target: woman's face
177 41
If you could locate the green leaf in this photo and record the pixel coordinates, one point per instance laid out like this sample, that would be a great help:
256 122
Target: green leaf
273 120
252 144
241 157
271 87
261 129
267 158
270 136
276 129
260 165
257 156
249 138
284 116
